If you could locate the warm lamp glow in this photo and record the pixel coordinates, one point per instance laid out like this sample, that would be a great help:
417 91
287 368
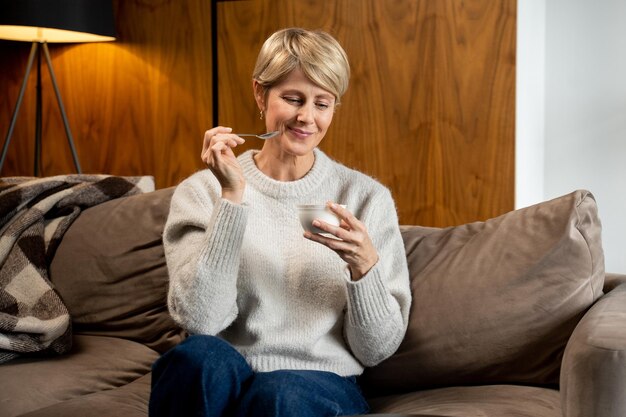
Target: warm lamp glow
45 21
38 34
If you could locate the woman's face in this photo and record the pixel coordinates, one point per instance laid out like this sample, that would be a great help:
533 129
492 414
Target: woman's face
300 110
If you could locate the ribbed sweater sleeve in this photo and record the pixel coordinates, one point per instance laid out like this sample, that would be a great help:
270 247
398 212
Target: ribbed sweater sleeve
378 304
202 241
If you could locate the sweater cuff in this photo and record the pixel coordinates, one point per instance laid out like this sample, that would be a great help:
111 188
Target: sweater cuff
226 231
368 299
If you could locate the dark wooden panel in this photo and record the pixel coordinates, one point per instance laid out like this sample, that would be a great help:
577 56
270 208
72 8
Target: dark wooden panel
137 106
19 159
430 110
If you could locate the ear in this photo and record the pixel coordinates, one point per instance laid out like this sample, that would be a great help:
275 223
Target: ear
259 94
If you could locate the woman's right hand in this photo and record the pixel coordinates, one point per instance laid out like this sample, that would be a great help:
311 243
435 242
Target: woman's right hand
217 153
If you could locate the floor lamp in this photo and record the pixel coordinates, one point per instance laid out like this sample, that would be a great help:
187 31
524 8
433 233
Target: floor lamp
51 21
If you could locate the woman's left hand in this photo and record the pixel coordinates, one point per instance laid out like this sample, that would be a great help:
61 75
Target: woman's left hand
352 243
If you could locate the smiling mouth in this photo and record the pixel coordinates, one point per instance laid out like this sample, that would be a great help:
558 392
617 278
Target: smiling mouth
300 133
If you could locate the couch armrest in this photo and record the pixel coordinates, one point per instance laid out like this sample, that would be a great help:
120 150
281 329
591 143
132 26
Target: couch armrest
613 280
593 372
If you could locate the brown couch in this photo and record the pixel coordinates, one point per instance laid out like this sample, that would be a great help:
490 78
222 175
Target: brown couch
510 317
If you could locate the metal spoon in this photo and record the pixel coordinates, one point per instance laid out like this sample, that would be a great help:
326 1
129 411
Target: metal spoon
262 136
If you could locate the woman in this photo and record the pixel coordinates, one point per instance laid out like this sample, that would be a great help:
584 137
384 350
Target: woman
281 321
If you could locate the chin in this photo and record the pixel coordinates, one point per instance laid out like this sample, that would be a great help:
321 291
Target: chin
298 148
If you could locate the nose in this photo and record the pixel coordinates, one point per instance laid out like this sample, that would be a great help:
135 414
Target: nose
305 114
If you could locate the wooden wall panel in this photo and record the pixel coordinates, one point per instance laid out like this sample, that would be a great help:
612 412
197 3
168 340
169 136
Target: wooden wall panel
430 110
137 106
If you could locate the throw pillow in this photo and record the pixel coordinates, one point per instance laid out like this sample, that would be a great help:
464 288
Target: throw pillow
496 301
110 271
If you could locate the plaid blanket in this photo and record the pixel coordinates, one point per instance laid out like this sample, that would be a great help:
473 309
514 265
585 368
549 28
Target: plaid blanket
34 214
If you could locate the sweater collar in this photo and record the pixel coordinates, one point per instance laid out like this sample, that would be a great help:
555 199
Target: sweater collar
285 189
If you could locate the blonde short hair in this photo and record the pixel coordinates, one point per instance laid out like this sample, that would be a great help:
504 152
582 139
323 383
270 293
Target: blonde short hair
316 53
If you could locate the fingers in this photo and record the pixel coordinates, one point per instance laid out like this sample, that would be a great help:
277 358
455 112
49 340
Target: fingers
350 228
351 236
209 134
214 155
357 251
334 243
347 218
216 142
350 240
217 154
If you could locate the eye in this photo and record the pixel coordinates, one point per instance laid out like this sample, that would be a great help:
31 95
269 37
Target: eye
322 105
292 100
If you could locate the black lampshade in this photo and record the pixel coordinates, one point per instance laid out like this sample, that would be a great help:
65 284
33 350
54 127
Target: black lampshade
70 20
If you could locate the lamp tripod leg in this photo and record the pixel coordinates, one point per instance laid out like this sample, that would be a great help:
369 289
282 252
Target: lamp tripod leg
38 116
29 66
62 108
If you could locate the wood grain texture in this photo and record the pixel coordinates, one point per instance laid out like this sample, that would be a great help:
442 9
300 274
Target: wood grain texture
430 110
136 106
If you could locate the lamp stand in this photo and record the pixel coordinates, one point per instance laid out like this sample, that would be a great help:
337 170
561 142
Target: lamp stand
36 49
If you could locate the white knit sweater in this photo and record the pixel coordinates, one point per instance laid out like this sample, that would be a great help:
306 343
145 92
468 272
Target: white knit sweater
246 273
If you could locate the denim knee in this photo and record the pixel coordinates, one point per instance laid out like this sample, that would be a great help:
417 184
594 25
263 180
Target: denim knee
203 375
203 353
212 349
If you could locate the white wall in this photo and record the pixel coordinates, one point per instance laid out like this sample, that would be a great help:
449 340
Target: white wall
584 137
530 102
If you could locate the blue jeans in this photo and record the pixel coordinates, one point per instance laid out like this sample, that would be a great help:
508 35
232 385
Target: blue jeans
205 376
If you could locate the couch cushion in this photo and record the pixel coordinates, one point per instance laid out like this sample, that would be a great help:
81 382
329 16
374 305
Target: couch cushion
496 301
94 364
110 271
483 401
130 400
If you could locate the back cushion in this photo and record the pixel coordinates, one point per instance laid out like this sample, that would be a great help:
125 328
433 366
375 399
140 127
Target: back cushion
110 271
496 301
